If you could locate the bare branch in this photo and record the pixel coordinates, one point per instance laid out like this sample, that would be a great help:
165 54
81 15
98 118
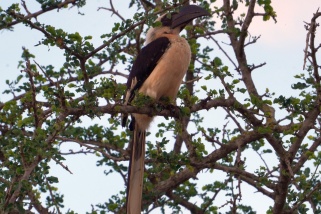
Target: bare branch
40 12
113 10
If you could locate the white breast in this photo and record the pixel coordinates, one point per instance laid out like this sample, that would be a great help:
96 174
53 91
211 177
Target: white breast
167 76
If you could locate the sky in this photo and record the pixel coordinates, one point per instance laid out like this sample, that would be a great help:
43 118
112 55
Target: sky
281 47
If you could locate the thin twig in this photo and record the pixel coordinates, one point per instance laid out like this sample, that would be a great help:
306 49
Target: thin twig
52 196
113 10
62 165
225 53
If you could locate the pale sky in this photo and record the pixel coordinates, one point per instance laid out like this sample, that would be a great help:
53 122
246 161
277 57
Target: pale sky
281 47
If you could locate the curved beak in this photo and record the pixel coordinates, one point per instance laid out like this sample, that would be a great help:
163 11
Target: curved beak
187 14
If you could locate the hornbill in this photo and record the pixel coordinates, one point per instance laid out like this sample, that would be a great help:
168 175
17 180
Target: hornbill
157 72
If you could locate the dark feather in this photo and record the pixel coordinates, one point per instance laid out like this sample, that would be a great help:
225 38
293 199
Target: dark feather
136 172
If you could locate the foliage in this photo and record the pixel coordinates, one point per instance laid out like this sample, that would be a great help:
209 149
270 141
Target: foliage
48 106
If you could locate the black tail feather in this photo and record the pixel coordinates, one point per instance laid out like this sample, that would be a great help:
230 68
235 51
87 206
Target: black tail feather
136 172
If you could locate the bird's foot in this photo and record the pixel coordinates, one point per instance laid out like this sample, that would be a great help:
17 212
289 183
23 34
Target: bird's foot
166 104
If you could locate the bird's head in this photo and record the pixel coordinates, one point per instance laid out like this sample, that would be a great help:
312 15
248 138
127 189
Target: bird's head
174 23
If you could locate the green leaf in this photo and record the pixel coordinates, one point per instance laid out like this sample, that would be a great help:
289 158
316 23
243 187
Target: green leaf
52 179
204 87
217 62
75 37
299 86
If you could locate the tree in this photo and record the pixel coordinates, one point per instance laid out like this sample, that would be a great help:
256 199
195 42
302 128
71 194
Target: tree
48 106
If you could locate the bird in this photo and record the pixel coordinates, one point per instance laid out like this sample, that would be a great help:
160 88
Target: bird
157 72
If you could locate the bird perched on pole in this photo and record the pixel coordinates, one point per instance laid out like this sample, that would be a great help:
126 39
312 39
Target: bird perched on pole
157 72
